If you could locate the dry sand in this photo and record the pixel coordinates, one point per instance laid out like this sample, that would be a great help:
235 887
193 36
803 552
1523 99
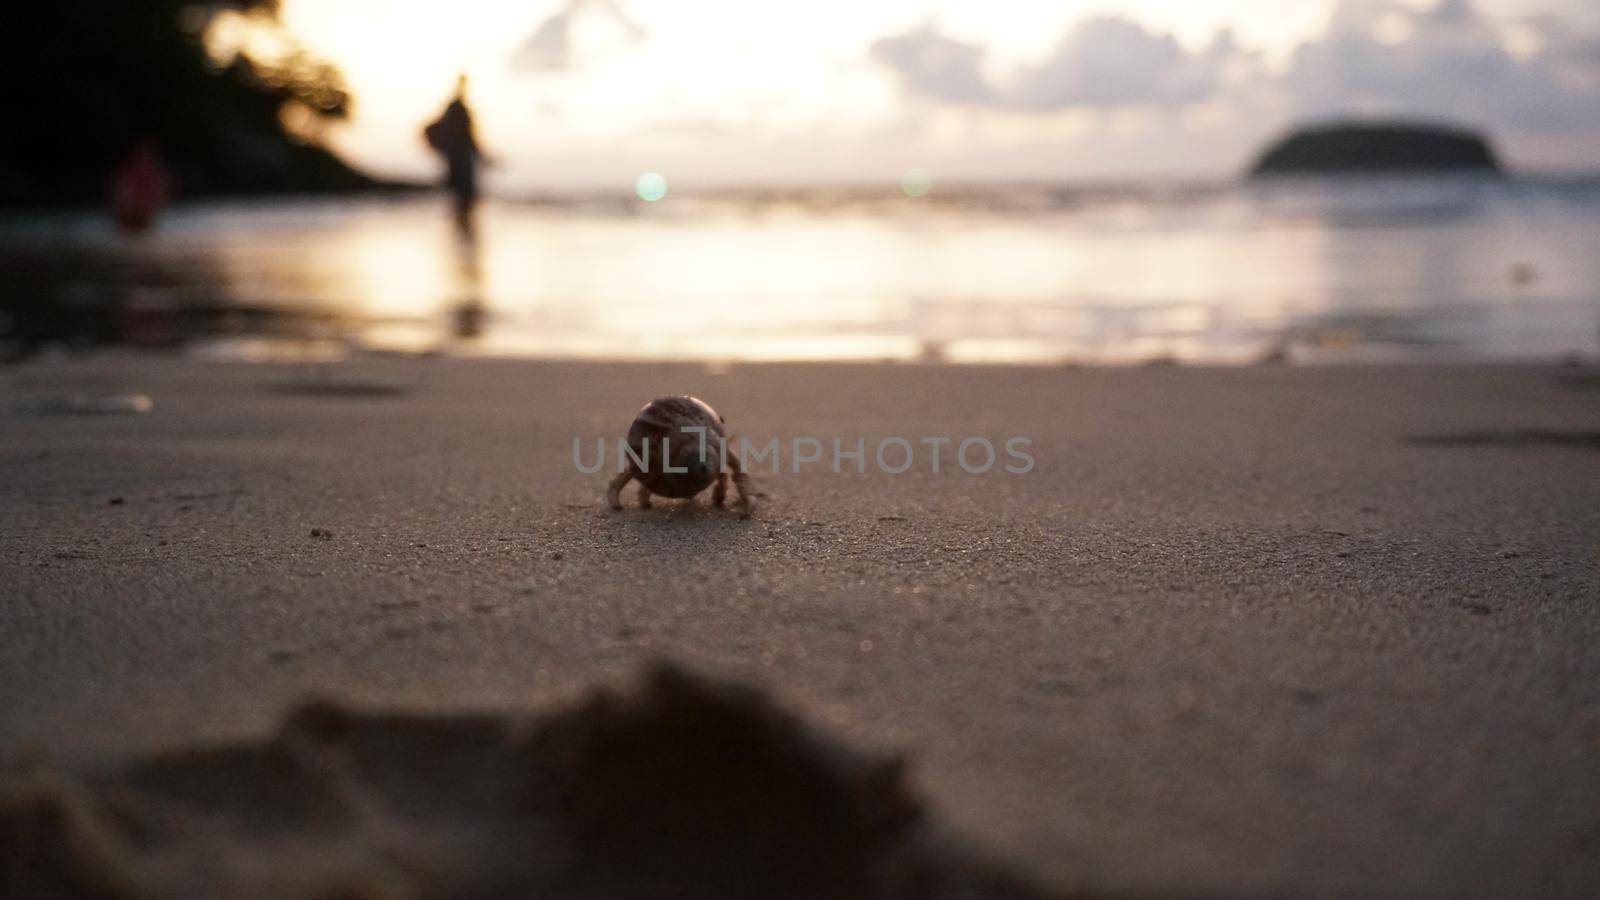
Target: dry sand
1252 631
681 788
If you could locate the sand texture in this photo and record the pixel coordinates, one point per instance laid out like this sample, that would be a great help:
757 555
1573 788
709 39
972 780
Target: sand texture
1260 632
680 788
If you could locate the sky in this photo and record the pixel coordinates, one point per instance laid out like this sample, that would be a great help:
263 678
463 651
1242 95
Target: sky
591 93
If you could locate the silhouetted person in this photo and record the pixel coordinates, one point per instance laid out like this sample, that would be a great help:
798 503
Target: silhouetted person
452 137
139 188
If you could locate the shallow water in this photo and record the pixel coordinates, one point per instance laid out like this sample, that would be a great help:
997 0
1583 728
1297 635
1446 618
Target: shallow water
1302 271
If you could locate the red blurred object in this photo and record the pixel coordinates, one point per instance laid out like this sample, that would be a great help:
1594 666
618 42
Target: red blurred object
139 188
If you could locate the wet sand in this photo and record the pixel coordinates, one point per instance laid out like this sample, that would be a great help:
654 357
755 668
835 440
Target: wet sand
1242 631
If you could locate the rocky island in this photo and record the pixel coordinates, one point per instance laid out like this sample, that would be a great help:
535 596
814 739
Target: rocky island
1355 148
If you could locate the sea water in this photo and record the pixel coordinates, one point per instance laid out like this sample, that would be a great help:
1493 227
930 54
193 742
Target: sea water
1297 271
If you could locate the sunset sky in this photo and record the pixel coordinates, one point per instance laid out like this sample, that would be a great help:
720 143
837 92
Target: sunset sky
593 92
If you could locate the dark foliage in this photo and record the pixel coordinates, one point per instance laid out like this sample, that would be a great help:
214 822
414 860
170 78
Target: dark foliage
92 78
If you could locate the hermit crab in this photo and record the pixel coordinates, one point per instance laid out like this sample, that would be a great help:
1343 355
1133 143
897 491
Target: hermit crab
677 448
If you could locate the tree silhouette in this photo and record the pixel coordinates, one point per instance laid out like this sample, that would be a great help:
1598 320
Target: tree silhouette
88 79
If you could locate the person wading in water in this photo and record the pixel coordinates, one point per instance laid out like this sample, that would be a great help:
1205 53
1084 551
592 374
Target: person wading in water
452 137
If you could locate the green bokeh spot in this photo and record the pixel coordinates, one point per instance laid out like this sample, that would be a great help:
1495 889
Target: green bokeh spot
916 182
651 187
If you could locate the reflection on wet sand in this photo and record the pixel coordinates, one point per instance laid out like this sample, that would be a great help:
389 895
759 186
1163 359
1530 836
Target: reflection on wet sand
1226 275
86 298
468 312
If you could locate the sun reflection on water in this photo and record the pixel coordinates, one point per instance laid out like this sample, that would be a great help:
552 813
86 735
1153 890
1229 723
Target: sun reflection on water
1228 276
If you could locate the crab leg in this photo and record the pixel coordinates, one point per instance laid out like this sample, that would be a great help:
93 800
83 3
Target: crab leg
614 490
741 485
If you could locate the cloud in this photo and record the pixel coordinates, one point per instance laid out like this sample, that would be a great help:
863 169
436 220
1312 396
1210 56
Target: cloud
1103 62
555 46
1534 75
1115 62
1449 61
935 66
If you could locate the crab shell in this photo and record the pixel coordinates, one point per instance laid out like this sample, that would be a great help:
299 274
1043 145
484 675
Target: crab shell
661 424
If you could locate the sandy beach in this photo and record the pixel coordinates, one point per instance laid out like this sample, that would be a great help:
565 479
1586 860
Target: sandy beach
1248 632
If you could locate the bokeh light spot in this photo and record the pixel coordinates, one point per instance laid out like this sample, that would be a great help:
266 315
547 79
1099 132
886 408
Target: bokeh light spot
916 182
651 186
